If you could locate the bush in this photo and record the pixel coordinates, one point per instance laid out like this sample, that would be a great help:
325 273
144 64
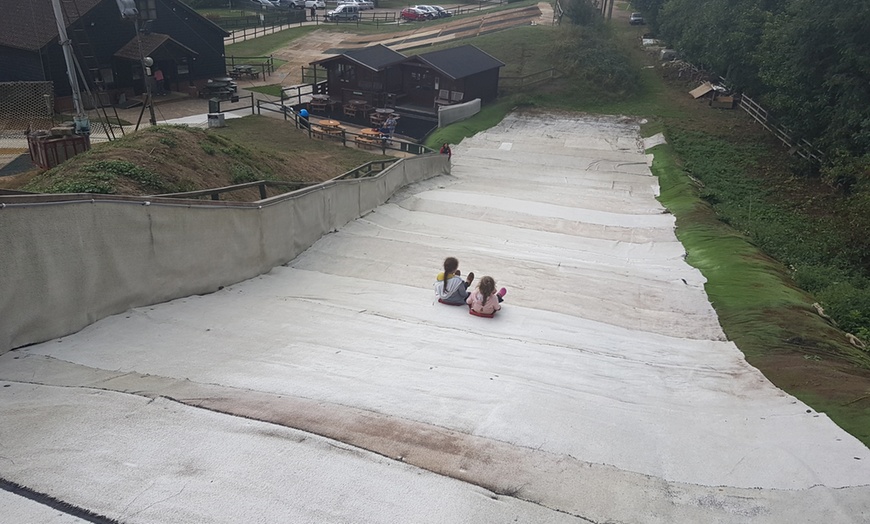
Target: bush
121 168
243 174
849 305
597 67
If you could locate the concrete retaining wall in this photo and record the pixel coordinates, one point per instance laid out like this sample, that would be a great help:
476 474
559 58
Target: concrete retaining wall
64 265
456 112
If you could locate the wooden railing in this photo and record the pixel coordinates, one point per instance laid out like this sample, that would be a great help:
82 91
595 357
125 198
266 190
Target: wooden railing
215 193
519 82
347 138
366 170
801 147
265 64
262 20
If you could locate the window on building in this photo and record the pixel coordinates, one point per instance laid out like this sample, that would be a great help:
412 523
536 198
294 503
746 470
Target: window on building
346 73
147 9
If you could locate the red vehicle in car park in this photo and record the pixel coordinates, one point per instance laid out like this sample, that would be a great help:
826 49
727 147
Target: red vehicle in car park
411 13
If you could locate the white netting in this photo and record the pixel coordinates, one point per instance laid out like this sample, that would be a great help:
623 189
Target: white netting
23 106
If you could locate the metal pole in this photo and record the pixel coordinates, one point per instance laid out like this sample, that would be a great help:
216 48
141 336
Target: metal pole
82 124
148 100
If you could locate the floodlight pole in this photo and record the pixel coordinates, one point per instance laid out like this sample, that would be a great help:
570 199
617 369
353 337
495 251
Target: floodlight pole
148 99
83 127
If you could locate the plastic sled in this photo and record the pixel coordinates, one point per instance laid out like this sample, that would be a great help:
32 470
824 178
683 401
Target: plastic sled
450 303
484 315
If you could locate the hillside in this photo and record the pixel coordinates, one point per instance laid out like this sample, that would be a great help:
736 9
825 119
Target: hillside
170 158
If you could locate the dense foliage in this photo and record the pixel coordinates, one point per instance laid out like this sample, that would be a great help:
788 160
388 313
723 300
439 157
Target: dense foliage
586 54
808 62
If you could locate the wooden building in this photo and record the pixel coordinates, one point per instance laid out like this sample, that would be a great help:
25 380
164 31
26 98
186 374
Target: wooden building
369 73
381 76
450 76
187 48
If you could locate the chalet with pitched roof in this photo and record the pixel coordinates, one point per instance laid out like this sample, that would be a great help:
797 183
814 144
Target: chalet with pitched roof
378 75
188 48
451 76
367 73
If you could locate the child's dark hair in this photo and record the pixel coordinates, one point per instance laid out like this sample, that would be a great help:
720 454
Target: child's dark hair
450 265
486 287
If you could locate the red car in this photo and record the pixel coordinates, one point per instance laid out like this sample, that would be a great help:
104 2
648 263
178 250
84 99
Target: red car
409 13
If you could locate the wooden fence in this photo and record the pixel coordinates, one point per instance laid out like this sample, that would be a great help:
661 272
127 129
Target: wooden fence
265 19
800 147
507 83
265 65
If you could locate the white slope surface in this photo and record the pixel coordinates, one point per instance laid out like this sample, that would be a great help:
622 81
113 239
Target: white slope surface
604 390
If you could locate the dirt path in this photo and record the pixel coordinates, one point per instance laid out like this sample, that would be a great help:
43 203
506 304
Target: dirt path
323 43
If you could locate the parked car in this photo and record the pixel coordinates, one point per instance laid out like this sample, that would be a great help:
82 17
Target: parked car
343 12
293 4
430 11
263 4
316 4
361 4
636 19
410 13
442 13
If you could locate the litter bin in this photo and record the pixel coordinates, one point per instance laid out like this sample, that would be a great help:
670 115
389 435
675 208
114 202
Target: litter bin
214 105
216 120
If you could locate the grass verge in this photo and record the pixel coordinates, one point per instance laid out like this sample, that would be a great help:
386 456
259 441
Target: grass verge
761 310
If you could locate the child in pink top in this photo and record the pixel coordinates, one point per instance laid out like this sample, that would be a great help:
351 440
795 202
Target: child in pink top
485 300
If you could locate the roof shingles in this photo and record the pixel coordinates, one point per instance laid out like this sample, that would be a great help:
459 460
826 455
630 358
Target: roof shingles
30 25
461 62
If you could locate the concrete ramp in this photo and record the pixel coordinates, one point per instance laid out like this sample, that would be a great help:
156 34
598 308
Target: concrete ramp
336 389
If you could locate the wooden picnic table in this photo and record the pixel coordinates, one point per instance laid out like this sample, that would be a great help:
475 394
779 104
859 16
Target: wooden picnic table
328 129
369 138
245 69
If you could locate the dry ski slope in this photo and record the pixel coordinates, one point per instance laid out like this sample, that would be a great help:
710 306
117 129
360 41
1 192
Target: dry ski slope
336 390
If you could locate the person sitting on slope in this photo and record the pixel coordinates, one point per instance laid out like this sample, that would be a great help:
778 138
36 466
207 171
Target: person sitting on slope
449 286
484 300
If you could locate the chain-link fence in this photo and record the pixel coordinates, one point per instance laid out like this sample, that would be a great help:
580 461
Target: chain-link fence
23 106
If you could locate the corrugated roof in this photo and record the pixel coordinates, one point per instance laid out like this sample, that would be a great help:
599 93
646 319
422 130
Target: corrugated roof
460 62
30 24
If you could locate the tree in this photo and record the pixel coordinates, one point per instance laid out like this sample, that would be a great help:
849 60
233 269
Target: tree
814 62
583 13
720 35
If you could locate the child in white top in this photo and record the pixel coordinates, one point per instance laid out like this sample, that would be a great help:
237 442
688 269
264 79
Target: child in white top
449 286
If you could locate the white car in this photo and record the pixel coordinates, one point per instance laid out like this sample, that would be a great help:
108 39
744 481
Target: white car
317 4
361 4
430 11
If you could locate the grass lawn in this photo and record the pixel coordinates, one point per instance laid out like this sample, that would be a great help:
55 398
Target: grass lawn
266 45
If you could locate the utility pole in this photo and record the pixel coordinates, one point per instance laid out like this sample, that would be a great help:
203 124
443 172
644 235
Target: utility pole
83 126
143 61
